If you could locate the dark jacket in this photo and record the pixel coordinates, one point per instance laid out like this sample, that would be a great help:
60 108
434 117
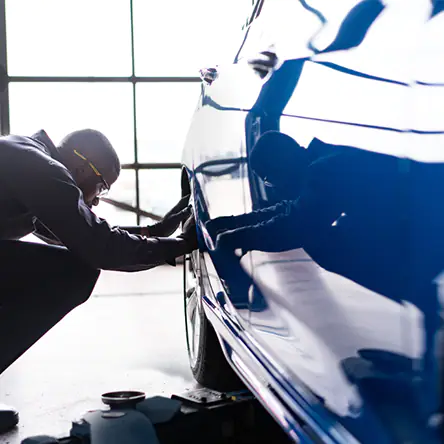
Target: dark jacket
37 190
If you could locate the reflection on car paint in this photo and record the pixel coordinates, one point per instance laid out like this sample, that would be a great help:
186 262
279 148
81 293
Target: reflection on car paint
330 186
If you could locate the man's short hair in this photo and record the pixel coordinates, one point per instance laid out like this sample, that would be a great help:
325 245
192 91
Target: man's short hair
97 149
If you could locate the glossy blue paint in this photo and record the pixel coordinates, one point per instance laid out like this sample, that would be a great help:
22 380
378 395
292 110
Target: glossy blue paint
317 189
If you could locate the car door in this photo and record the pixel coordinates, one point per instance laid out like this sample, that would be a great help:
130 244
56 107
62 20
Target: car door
215 153
424 154
229 115
331 305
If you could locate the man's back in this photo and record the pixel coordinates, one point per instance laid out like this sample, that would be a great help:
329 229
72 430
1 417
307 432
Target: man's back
16 220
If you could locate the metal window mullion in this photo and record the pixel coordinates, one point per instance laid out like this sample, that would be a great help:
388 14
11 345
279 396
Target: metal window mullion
133 77
4 92
103 79
152 166
136 153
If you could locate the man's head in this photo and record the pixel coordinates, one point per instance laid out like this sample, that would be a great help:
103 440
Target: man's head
280 162
92 161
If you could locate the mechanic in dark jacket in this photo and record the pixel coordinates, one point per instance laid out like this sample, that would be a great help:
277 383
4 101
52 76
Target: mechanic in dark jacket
50 191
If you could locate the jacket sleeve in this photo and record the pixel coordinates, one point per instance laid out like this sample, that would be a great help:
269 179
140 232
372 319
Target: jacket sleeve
51 195
132 230
44 234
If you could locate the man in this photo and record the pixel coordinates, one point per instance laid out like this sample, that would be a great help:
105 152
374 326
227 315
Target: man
51 190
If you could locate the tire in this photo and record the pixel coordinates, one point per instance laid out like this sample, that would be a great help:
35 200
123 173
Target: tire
207 361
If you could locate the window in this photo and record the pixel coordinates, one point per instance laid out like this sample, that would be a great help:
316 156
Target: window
68 38
159 190
177 37
164 112
123 190
128 68
60 108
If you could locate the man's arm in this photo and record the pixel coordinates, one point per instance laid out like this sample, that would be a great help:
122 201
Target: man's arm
44 234
166 226
51 195
139 230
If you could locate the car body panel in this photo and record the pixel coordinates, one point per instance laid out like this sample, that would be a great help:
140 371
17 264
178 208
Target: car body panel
337 327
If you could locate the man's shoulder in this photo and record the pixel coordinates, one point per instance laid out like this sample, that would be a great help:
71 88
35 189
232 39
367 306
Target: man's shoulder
25 155
22 143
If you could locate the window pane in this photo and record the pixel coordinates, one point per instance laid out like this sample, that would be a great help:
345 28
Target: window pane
115 216
60 108
69 37
177 37
159 190
164 112
123 190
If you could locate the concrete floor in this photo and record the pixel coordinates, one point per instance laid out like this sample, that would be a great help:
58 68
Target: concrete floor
129 335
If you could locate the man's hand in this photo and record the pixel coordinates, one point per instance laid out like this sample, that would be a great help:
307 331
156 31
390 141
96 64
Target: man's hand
171 221
189 233
220 224
228 241
231 240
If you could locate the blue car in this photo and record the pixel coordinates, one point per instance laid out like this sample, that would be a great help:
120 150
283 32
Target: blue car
315 162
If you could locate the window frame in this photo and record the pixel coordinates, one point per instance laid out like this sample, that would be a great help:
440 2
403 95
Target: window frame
6 80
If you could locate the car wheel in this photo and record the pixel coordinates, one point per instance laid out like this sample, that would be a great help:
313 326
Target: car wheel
207 361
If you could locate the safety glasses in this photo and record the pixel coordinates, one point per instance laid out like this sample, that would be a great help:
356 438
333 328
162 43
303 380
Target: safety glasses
104 187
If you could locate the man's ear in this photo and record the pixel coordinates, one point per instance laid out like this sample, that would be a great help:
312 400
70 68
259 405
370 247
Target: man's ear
80 176
79 172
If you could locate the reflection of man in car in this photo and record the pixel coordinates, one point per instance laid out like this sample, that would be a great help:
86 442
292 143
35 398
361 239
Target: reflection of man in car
346 207
384 379
283 166
342 205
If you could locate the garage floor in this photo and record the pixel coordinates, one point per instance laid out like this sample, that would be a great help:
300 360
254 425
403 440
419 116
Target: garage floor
129 335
